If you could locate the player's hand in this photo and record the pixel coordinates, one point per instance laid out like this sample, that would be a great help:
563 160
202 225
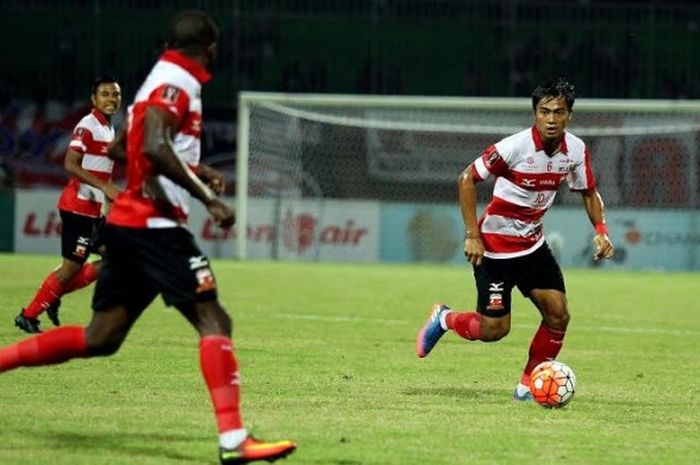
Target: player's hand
603 247
474 250
111 191
213 178
223 216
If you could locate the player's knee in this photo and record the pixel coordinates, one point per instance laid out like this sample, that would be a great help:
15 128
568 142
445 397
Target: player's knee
493 333
558 319
103 347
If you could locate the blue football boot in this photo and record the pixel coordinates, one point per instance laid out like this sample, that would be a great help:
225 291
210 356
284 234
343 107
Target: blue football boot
431 332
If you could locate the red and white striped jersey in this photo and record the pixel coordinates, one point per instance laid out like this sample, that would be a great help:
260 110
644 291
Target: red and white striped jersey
174 84
527 180
91 138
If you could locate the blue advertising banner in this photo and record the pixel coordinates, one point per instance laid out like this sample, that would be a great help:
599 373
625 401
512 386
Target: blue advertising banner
644 239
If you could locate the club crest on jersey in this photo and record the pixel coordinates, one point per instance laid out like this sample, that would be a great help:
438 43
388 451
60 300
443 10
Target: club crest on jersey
170 94
493 157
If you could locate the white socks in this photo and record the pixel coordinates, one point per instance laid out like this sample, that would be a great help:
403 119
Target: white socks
521 389
443 323
233 438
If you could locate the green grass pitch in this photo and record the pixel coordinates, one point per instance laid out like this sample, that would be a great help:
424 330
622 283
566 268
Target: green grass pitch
327 359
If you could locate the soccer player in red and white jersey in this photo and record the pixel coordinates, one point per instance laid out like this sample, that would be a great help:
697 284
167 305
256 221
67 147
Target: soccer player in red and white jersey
80 205
506 246
150 251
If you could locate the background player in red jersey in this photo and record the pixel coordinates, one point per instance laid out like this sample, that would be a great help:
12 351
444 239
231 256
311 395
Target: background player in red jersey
149 250
506 245
80 205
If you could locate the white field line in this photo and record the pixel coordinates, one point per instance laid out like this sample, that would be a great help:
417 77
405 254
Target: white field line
386 321
337 319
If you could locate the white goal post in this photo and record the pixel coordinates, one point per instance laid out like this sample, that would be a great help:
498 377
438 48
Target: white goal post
289 146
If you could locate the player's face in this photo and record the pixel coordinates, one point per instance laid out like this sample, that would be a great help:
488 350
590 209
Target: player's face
108 98
551 118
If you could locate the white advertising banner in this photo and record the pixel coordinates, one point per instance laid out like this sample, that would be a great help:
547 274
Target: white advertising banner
37 223
328 230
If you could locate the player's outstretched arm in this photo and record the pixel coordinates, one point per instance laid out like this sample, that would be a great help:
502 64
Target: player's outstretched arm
595 208
159 125
473 245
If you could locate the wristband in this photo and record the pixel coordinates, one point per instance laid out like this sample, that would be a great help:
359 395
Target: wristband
471 235
601 228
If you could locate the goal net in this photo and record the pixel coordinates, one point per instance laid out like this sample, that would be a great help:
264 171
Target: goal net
303 158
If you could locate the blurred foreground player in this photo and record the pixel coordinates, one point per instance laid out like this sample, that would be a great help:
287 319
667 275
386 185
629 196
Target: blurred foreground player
149 249
507 246
80 206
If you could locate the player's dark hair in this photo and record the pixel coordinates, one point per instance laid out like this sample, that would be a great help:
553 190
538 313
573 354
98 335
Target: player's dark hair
192 31
104 79
555 88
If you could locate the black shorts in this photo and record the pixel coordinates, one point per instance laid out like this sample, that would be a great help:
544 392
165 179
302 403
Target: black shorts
139 264
495 279
80 235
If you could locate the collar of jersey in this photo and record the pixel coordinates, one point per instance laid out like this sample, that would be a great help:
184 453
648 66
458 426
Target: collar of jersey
193 67
100 117
539 146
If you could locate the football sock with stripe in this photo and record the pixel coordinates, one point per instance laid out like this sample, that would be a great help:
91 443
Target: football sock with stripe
49 348
545 345
466 324
86 275
220 371
49 292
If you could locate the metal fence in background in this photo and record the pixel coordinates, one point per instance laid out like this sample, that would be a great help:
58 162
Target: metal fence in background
620 49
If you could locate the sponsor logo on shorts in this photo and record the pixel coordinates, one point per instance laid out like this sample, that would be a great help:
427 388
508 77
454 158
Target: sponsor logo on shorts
496 287
198 262
495 301
81 246
205 280
203 274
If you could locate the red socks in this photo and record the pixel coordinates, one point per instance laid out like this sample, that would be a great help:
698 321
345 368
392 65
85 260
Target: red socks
466 324
49 348
86 275
220 372
52 289
545 345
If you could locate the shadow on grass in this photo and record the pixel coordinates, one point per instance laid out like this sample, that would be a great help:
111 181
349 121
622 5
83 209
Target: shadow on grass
453 391
131 444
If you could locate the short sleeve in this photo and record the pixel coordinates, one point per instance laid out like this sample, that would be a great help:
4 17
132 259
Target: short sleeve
80 140
581 177
172 99
489 163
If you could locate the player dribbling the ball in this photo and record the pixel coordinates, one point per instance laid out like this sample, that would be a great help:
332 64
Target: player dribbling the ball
506 245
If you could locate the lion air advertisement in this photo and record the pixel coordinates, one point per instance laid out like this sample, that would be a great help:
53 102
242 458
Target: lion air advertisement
324 230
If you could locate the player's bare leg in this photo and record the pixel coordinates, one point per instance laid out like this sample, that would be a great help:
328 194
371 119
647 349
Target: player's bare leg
220 371
548 339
